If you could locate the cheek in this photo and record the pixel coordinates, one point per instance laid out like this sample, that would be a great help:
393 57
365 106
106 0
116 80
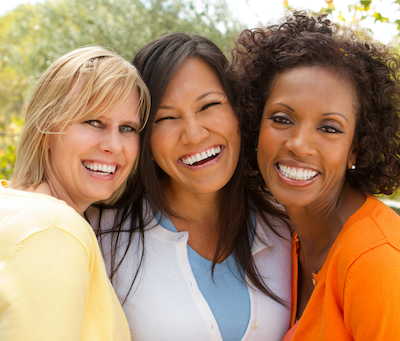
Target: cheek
229 128
264 145
160 146
56 148
235 139
265 153
133 148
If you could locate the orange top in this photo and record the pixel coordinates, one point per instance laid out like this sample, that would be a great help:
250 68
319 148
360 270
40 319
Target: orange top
357 296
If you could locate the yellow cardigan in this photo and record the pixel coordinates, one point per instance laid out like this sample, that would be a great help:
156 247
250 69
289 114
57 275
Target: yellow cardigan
53 282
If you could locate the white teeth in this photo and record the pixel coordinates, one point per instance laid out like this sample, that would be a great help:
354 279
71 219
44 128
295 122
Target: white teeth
100 169
201 156
297 173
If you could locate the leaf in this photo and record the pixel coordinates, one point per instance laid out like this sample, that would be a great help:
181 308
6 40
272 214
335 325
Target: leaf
379 17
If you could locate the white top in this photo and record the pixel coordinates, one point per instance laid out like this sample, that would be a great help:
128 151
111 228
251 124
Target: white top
165 302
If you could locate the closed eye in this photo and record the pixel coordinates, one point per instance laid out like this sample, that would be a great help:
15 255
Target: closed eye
164 119
209 105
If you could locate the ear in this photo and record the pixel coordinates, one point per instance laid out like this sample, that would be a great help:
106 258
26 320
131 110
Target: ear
352 156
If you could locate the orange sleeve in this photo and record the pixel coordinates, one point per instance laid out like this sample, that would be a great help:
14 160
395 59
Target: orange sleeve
371 295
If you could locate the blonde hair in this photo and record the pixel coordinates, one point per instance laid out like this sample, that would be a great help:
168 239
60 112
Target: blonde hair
81 85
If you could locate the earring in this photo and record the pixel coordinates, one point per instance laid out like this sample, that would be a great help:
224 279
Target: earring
353 167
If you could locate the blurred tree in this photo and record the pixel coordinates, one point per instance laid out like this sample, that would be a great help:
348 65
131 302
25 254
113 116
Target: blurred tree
363 9
32 36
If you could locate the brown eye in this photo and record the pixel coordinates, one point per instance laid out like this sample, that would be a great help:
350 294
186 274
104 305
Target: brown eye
331 130
280 119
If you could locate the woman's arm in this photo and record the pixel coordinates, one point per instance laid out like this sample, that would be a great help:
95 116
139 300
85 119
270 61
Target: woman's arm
372 295
44 285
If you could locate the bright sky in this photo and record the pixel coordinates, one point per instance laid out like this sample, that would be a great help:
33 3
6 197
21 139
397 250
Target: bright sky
252 12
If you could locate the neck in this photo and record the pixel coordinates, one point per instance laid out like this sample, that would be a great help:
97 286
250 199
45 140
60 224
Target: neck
197 213
196 208
319 225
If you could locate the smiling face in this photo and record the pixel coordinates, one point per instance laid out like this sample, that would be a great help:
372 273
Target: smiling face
89 160
195 136
306 136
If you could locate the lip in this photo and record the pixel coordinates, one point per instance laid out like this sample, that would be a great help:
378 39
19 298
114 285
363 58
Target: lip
208 163
293 182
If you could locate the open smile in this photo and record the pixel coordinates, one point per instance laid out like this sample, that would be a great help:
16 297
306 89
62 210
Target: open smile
299 174
203 157
99 168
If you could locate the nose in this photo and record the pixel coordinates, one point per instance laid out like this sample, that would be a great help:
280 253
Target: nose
194 131
111 141
301 142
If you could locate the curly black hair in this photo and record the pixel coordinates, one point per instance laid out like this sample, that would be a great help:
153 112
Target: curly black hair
373 69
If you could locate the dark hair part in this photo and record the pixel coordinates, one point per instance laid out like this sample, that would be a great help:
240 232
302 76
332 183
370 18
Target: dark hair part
371 68
158 62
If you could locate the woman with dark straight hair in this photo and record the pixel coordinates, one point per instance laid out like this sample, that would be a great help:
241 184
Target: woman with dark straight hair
190 249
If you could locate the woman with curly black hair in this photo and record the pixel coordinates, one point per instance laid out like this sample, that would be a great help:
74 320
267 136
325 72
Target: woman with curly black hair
322 132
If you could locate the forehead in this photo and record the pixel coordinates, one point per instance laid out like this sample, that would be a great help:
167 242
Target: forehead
194 73
321 83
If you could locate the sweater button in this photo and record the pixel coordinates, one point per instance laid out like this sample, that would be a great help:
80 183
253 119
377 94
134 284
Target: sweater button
254 325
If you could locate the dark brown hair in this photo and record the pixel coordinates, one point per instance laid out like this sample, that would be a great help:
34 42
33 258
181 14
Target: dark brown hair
158 62
372 68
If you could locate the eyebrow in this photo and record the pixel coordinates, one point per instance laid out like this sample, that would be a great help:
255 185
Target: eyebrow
209 93
169 107
335 113
279 103
325 114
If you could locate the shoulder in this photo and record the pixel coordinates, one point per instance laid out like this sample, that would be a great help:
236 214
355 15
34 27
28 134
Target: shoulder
26 214
369 244
275 230
272 244
108 216
372 225
104 219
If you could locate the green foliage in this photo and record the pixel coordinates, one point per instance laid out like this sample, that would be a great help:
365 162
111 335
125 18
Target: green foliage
33 36
367 9
8 141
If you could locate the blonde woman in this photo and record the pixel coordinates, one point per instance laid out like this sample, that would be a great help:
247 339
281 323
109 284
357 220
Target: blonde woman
79 145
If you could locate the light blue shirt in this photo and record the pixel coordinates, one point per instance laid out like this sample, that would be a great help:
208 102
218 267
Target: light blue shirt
226 293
